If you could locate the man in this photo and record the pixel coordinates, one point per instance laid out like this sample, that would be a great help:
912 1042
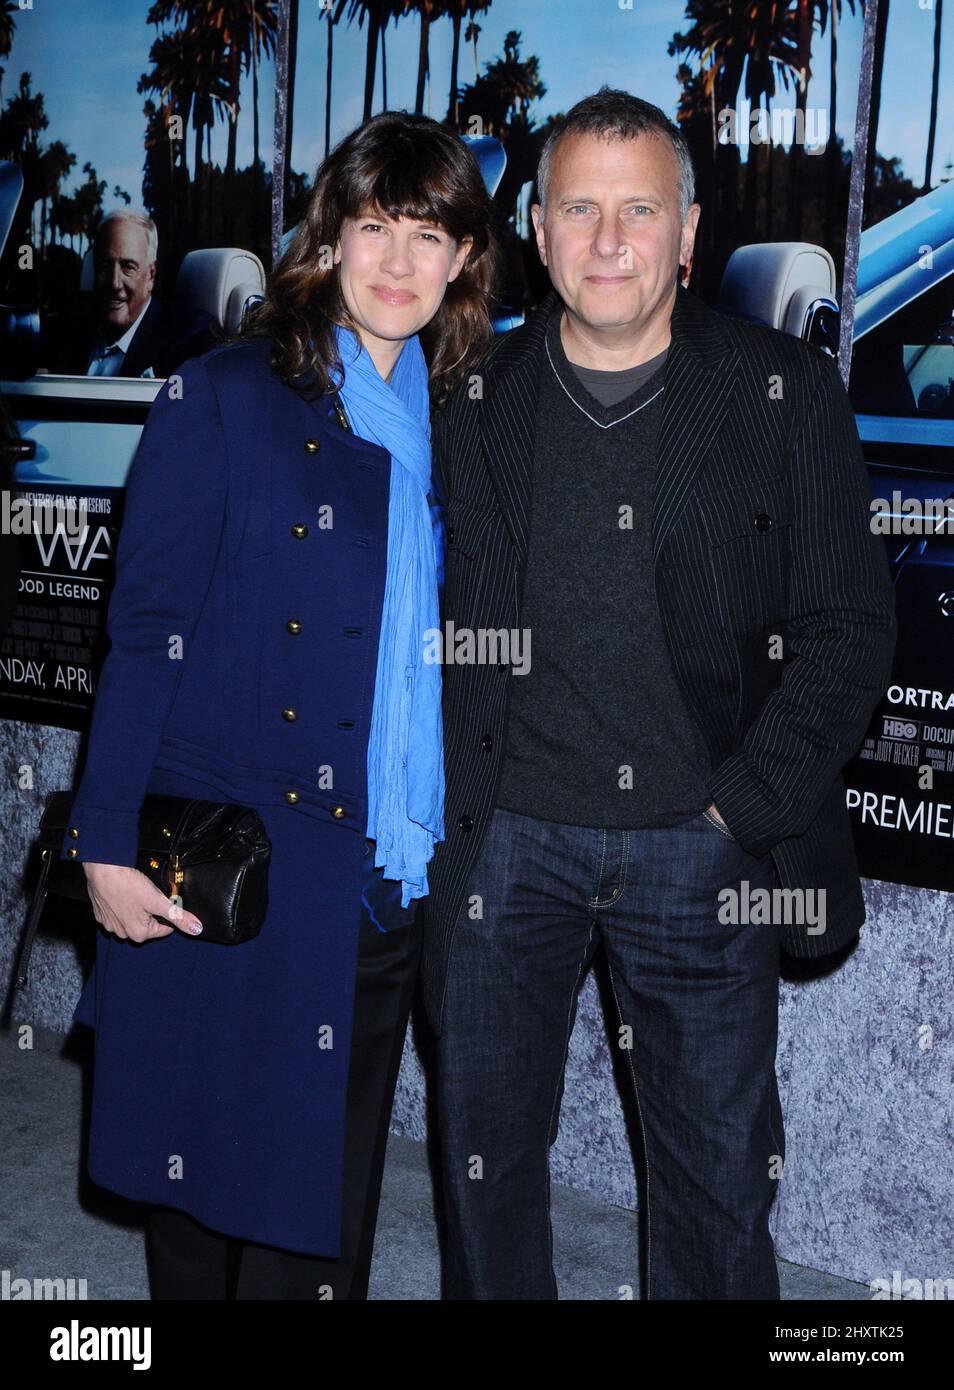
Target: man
130 334
673 504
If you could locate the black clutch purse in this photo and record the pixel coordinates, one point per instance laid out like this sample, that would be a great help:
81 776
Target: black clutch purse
214 855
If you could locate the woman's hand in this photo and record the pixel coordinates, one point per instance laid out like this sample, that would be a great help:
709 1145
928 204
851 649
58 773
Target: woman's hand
126 903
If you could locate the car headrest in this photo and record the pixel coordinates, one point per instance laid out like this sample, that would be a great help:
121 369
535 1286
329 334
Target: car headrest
777 282
221 282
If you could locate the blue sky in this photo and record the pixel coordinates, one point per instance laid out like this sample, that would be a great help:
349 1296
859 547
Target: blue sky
86 55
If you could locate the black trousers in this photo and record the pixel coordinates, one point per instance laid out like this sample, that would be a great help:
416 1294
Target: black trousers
189 1261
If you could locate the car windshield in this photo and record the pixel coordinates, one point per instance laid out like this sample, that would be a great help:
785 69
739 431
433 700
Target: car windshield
905 366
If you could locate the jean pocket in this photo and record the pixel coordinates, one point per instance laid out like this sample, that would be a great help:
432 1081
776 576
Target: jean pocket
722 829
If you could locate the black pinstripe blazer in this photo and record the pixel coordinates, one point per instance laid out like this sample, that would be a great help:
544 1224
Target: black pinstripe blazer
760 528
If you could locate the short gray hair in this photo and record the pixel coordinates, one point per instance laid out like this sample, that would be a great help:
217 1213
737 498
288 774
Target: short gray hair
141 219
615 114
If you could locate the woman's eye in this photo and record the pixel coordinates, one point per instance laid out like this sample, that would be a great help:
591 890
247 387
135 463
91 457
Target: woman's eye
431 236
371 227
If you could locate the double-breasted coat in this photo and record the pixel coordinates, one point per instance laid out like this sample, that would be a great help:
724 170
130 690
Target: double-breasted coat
244 629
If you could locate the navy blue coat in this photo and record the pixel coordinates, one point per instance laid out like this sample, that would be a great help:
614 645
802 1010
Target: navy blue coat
221 1071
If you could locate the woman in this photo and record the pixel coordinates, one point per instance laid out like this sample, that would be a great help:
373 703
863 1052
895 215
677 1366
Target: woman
275 576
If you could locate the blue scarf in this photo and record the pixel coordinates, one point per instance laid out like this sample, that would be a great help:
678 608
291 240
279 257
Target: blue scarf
406 747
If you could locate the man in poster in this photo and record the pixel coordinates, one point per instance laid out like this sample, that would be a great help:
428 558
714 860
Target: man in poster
674 505
125 331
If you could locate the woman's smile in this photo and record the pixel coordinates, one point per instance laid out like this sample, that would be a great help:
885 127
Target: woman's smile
393 296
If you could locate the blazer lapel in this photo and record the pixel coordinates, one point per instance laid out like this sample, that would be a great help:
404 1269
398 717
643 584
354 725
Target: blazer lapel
508 419
700 378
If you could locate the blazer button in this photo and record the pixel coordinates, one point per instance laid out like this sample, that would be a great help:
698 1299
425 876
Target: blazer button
312 446
72 852
338 812
299 532
763 522
290 714
291 797
450 535
486 743
293 626
466 823
74 831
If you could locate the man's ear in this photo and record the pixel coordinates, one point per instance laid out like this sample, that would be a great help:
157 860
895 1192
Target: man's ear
688 238
536 213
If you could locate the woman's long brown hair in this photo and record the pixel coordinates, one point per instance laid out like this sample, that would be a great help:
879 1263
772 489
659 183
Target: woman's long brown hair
402 166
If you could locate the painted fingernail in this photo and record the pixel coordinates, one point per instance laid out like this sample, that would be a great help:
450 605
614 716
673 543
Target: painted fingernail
196 929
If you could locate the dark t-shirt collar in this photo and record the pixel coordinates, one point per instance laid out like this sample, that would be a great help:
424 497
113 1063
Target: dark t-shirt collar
579 382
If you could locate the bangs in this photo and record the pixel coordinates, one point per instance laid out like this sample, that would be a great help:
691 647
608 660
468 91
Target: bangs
411 188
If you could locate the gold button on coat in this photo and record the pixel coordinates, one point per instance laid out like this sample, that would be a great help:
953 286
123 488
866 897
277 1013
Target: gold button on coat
73 852
339 812
291 798
290 714
312 446
293 626
299 531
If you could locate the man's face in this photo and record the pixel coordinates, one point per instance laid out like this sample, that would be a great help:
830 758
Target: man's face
611 237
124 276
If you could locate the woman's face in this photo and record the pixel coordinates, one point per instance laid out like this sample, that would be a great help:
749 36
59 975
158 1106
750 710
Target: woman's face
394 272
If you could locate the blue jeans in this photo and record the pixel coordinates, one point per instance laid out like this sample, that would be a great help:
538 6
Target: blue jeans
698 1005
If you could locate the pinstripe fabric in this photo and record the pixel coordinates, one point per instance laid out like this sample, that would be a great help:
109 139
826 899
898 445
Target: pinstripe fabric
760 526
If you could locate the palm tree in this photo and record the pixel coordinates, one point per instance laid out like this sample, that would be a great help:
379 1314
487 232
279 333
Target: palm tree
232 35
874 107
459 10
372 11
803 66
89 203
21 122
332 18
471 34
8 23
502 97
732 50
55 163
429 10
393 10
935 84
830 12
185 76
